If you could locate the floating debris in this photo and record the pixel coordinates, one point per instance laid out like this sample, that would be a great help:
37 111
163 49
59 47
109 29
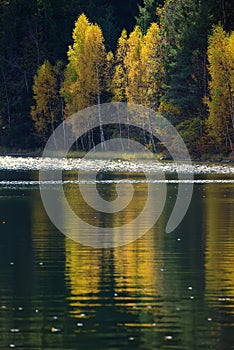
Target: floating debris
223 299
15 330
55 330
168 337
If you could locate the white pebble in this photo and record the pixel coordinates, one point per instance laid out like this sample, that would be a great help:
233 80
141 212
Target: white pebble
131 338
168 337
79 324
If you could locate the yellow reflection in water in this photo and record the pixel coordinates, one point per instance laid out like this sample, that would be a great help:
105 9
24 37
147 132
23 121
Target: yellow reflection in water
219 264
82 273
133 271
137 267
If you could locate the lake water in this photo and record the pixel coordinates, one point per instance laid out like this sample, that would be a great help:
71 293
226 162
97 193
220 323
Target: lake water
162 291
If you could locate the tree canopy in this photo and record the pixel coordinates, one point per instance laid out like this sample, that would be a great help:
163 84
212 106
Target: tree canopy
175 56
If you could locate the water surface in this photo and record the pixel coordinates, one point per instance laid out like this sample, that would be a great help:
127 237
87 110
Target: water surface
163 291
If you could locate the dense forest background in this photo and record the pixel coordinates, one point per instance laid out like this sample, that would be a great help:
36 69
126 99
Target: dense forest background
176 56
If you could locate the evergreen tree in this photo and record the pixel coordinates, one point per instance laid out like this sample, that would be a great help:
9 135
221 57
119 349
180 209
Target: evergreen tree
147 14
184 27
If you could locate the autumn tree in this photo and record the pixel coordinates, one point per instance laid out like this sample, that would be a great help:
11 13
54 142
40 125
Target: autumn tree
109 74
75 52
84 76
119 81
139 70
47 112
134 69
153 72
221 85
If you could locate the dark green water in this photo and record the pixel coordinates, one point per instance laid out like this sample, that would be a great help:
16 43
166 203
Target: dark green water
163 291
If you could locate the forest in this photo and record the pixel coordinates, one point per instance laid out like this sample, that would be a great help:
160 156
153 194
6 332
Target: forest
174 56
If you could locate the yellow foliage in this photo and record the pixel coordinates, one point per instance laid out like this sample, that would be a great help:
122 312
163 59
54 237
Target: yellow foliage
144 67
153 67
132 62
119 84
84 76
47 110
169 110
221 104
122 46
119 81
